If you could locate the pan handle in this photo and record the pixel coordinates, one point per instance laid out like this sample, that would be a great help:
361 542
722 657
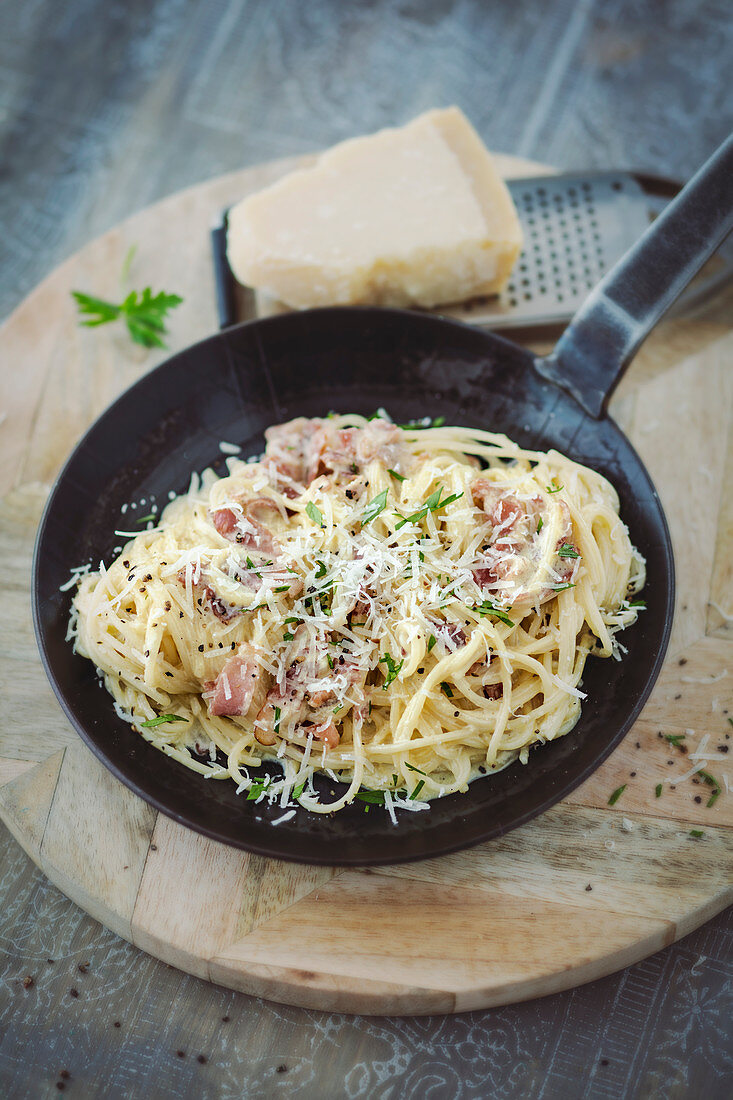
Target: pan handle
598 345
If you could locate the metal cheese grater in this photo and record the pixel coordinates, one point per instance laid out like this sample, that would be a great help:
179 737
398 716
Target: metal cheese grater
576 226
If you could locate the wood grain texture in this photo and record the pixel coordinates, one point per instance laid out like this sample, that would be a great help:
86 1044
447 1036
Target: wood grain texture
507 921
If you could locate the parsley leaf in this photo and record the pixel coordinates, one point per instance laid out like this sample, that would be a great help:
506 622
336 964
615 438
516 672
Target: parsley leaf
392 669
314 513
374 798
553 488
161 719
567 551
616 795
488 608
446 689
258 787
374 507
144 313
297 791
431 642
396 476
432 504
321 571
417 790
278 712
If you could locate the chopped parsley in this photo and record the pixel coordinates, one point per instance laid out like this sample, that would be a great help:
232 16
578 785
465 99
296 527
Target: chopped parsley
641 604
567 551
396 476
675 739
251 565
374 507
696 833
446 689
373 798
432 504
392 669
161 719
563 587
431 642
330 660
616 795
711 782
658 790
144 519
315 513
411 768
488 608
258 787
540 525
321 570
417 790
297 791
278 712
553 488
281 588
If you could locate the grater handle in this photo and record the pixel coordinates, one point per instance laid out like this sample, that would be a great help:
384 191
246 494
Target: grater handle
598 345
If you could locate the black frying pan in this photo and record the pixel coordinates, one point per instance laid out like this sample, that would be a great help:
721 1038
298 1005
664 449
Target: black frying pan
233 385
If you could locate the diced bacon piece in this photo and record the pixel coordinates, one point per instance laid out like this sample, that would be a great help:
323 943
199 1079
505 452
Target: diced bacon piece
327 731
225 521
332 690
240 687
265 722
223 611
294 448
517 544
302 449
246 529
450 634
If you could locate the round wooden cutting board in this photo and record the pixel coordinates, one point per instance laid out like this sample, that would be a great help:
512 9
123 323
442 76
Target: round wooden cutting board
581 891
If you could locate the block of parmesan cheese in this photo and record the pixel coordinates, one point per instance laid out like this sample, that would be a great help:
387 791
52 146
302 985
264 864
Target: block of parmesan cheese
411 216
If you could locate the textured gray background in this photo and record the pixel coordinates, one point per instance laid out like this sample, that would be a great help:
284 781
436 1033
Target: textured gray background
106 106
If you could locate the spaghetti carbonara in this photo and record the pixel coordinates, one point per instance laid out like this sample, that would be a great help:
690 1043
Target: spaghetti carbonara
400 609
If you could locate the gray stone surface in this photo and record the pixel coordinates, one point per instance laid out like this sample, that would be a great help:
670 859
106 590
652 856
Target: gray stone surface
105 107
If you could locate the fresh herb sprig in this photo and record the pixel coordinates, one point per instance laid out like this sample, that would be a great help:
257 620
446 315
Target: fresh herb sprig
143 312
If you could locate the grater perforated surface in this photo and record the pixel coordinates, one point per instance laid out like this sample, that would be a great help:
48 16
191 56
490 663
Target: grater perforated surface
576 227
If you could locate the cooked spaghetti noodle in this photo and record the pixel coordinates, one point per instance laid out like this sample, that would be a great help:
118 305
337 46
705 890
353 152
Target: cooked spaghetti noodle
400 609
